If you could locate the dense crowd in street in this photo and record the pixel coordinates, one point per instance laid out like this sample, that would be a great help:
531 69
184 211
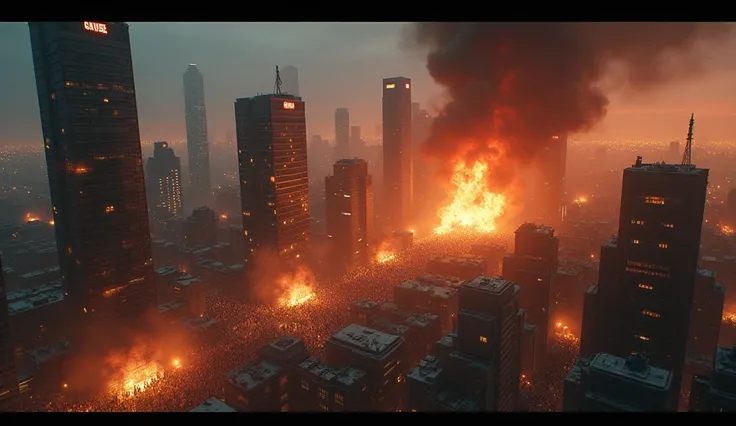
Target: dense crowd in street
248 328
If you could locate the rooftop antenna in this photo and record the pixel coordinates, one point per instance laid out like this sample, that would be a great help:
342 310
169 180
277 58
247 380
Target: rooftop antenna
687 157
277 84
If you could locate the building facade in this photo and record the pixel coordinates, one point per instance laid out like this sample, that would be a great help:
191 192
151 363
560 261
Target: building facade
716 393
398 192
349 198
89 118
8 375
647 276
549 195
274 181
195 115
342 133
163 182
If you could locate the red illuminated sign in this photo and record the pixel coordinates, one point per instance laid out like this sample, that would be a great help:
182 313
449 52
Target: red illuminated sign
95 27
289 105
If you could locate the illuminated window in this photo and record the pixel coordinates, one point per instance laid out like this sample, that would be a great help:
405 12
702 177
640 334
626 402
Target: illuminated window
323 394
109 209
640 337
654 200
539 280
338 399
649 313
668 225
646 287
663 245
289 105
637 222
483 339
407 85
635 241
273 179
390 86
105 100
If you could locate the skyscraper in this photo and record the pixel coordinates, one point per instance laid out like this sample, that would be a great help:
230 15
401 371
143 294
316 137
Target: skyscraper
195 114
89 118
274 182
342 133
8 376
397 165
531 267
163 181
290 77
549 196
349 193
647 275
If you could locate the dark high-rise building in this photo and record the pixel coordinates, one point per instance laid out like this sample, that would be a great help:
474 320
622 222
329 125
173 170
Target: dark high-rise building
290 78
274 182
706 316
478 368
647 276
607 383
549 195
349 193
200 229
8 375
195 114
397 165
716 393
342 133
163 181
531 267
89 118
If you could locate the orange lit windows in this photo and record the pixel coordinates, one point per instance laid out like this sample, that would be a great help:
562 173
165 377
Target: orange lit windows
655 200
635 241
663 245
668 225
651 314
640 337
645 286
637 222
483 339
323 394
109 209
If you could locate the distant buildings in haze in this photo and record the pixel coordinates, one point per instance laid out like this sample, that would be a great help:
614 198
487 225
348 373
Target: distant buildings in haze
195 114
163 182
397 159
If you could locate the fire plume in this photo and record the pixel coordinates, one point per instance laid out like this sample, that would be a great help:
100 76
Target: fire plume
30 217
386 253
727 230
134 374
472 204
298 288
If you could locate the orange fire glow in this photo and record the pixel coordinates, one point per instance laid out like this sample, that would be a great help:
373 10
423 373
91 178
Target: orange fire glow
386 253
580 200
135 375
563 332
51 222
728 230
298 288
729 319
472 204
223 216
30 217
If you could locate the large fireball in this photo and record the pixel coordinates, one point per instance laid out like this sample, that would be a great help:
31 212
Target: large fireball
472 204
298 288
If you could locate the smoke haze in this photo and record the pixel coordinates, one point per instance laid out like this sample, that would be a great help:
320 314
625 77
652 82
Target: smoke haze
512 86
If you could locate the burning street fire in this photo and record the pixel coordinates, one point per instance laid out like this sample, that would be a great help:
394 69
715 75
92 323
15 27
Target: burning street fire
386 253
134 377
729 319
727 230
298 288
30 217
472 203
580 201
564 333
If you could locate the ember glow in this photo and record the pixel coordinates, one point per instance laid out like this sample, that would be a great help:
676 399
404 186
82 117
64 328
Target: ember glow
727 230
386 253
580 201
729 319
298 288
472 204
564 333
135 376
30 217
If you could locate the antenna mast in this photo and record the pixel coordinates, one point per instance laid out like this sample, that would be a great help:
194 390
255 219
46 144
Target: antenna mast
277 84
687 157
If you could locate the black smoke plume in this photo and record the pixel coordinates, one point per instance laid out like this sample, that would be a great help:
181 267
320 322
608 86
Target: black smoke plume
512 86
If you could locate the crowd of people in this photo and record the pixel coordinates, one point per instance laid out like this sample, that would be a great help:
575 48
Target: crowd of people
248 328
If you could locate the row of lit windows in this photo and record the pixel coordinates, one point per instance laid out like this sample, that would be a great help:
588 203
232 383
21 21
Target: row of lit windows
647 265
651 314
654 200
641 223
660 245
645 272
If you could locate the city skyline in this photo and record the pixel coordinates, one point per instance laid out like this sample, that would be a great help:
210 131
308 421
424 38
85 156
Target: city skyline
368 52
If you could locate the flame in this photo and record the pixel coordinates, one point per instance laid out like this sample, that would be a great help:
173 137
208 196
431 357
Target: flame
176 363
135 375
298 288
727 230
729 319
563 332
223 216
580 200
472 204
30 217
385 253
52 223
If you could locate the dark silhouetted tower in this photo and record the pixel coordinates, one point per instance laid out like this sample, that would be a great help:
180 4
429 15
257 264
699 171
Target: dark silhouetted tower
163 180
8 375
397 165
274 182
195 114
89 117
342 133
349 193
549 196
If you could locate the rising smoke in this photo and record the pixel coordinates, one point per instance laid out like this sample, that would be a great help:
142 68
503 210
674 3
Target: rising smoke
512 86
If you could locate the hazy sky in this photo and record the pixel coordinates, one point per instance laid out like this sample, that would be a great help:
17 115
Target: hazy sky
340 65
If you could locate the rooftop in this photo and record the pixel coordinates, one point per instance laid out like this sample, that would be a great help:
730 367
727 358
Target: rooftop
38 272
529 227
346 376
366 339
167 270
427 371
45 353
707 273
187 280
251 375
170 306
493 285
441 280
453 401
662 167
725 362
365 304
198 324
35 301
213 405
284 343
429 289
460 260
350 161
634 368
385 325
25 293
